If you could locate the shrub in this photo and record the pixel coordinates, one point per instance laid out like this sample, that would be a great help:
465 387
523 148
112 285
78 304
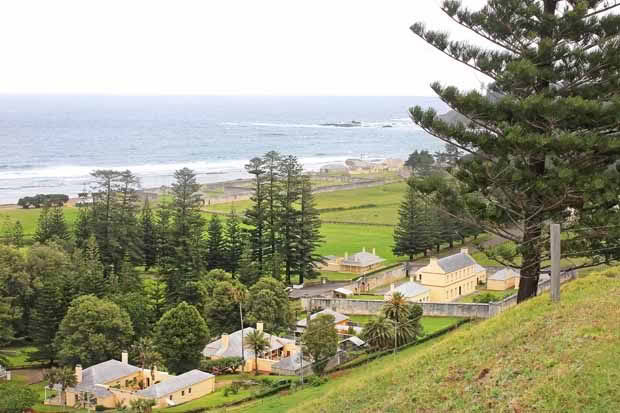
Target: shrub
484 298
99 408
221 366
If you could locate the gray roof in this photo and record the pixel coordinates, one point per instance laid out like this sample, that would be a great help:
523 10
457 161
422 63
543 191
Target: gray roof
410 289
235 344
355 340
107 371
95 389
455 262
479 268
337 317
504 274
175 383
362 259
291 363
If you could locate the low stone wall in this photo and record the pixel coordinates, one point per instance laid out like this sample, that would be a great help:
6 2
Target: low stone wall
368 282
468 310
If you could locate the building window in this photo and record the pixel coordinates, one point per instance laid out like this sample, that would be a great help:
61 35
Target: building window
171 397
189 391
182 393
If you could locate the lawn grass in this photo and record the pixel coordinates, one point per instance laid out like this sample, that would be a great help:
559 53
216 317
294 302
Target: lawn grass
369 297
341 238
20 356
29 217
499 295
539 356
338 276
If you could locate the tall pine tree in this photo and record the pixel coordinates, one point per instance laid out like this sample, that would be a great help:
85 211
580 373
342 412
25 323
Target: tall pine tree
541 142
290 172
309 234
149 236
216 247
256 215
234 243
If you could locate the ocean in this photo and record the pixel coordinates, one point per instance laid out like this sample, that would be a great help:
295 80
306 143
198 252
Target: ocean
50 144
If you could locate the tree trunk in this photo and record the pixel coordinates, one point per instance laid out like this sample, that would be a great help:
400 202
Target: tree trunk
530 267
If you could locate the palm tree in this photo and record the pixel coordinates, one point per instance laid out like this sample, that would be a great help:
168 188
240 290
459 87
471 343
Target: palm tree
397 308
147 355
142 405
63 376
379 332
258 343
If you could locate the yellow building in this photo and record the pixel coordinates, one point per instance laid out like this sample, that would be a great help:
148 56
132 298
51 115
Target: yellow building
411 290
504 279
232 345
449 278
113 382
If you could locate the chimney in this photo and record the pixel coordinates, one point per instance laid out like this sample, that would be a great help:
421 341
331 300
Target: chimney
259 326
363 249
78 373
374 252
392 287
464 251
125 357
411 278
223 343
433 260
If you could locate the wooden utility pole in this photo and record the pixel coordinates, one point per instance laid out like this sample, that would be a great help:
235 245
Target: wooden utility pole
555 262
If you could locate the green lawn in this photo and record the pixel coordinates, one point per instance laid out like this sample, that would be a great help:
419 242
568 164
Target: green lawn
499 295
341 238
367 297
29 217
19 356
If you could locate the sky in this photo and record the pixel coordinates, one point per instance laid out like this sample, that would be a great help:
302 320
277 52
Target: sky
225 47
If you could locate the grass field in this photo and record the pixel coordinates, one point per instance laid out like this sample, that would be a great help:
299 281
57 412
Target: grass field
19 356
537 357
499 295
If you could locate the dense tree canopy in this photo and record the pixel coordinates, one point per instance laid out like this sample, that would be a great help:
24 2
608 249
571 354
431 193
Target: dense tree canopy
93 331
180 336
540 144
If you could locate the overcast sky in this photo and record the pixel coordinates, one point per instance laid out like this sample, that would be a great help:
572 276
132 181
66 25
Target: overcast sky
276 47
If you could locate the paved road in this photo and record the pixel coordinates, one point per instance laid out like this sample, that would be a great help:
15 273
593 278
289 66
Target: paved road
324 290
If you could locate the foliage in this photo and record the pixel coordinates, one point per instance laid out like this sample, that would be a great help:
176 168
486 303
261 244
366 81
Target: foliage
310 237
379 332
420 162
94 330
233 244
64 376
43 200
258 343
268 302
146 354
222 365
141 405
216 250
180 336
51 225
320 340
148 235
16 397
540 144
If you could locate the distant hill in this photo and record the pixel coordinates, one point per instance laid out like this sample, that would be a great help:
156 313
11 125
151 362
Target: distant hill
537 357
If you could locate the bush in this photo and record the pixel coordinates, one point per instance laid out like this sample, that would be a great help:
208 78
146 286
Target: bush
99 408
221 366
233 388
317 381
484 298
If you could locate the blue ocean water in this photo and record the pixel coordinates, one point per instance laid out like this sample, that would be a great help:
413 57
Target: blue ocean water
50 144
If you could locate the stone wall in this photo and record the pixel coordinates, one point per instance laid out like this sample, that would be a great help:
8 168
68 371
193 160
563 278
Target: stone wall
468 310
368 282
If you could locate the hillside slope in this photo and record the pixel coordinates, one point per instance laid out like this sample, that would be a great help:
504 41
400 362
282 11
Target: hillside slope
538 357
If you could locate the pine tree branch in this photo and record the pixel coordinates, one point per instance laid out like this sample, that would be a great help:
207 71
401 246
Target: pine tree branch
492 76
482 34
603 10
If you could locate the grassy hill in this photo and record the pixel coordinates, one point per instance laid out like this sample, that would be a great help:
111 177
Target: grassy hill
538 357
